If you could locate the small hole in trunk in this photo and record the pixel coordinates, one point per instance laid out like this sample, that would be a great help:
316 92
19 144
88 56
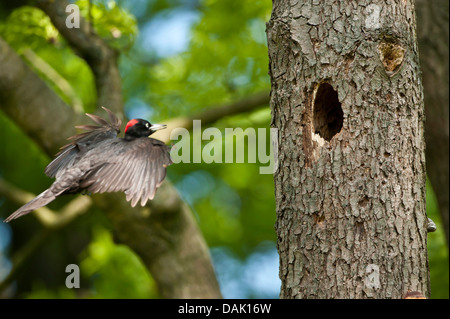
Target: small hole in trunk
328 114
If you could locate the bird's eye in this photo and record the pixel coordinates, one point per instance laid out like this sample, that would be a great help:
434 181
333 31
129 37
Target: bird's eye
147 125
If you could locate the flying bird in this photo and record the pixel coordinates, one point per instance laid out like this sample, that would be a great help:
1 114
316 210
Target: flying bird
98 161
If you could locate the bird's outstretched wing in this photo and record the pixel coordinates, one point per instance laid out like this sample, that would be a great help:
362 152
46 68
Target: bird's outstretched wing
83 142
138 170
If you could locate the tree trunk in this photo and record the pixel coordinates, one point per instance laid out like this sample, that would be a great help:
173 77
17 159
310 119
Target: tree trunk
350 189
432 16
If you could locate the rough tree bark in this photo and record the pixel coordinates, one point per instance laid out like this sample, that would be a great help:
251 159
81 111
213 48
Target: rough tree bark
433 33
163 234
350 189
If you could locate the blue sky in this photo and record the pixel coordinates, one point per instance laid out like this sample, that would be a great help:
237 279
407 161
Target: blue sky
169 33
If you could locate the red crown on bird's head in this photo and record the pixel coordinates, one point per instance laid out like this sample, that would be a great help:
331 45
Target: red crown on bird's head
130 124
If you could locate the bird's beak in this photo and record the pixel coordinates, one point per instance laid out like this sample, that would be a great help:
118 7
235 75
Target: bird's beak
156 127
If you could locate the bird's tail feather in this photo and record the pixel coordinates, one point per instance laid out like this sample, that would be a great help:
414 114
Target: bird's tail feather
41 200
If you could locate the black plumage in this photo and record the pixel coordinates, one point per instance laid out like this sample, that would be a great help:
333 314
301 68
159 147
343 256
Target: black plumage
98 161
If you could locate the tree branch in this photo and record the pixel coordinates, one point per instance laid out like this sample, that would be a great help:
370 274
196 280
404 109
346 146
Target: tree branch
214 113
175 253
51 220
55 77
28 101
101 58
46 216
247 104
